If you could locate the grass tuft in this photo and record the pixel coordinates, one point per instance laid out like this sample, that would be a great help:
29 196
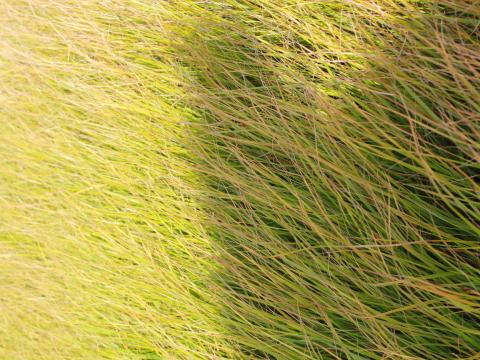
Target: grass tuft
248 179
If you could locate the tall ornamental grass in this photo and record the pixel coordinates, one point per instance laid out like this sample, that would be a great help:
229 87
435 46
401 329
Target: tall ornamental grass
239 179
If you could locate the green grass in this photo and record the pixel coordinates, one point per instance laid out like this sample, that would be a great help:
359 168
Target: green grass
248 179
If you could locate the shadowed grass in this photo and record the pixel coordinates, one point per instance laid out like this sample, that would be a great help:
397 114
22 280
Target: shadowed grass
342 151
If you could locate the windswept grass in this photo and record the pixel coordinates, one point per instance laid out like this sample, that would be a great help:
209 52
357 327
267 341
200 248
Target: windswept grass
248 179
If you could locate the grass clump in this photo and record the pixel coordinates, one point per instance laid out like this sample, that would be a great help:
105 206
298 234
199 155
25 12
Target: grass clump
240 180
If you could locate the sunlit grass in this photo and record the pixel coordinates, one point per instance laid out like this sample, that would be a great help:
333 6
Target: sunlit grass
239 179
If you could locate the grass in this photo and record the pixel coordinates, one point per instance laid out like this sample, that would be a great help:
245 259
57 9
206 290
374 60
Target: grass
248 179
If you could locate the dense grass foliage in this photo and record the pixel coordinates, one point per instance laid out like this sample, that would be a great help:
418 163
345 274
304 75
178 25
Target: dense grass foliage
239 179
